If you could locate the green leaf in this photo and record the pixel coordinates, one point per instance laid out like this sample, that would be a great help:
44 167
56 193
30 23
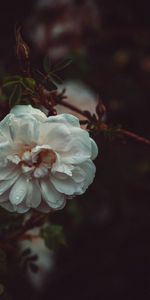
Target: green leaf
62 65
38 75
49 84
29 83
44 80
11 80
15 96
9 83
53 236
55 79
47 64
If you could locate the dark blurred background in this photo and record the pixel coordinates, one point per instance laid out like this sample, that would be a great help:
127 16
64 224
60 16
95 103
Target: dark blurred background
107 229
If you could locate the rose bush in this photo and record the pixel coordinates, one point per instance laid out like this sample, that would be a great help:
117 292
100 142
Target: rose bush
43 160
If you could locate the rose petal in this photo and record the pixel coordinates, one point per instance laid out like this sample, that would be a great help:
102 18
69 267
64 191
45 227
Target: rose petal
90 169
21 110
25 129
67 187
94 149
7 172
5 147
78 175
64 119
6 184
54 199
61 168
8 206
18 191
5 127
5 196
55 135
21 208
41 171
80 148
33 198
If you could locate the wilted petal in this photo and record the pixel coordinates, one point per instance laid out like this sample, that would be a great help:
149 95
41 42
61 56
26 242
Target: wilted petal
36 151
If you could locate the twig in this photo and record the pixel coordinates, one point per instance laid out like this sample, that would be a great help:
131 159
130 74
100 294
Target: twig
35 221
134 136
73 108
124 132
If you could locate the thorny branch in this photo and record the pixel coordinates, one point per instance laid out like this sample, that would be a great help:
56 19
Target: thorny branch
124 132
8 242
36 220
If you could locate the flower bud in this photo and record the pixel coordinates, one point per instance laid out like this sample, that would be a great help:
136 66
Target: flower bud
23 53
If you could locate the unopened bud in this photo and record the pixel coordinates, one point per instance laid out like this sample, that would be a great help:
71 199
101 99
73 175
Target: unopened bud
23 53
100 109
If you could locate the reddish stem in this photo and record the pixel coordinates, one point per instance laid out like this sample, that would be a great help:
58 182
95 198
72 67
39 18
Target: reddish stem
134 136
125 132
8 243
73 108
35 221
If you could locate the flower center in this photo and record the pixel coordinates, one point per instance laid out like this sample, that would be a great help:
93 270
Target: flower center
36 161
47 156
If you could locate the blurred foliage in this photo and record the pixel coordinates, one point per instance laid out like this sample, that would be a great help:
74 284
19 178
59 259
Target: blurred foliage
107 229
28 259
53 236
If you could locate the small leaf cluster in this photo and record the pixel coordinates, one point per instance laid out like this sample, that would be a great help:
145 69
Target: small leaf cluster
18 89
32 89
53 236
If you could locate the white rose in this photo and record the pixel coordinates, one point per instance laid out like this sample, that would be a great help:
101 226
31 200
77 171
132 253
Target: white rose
43 160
